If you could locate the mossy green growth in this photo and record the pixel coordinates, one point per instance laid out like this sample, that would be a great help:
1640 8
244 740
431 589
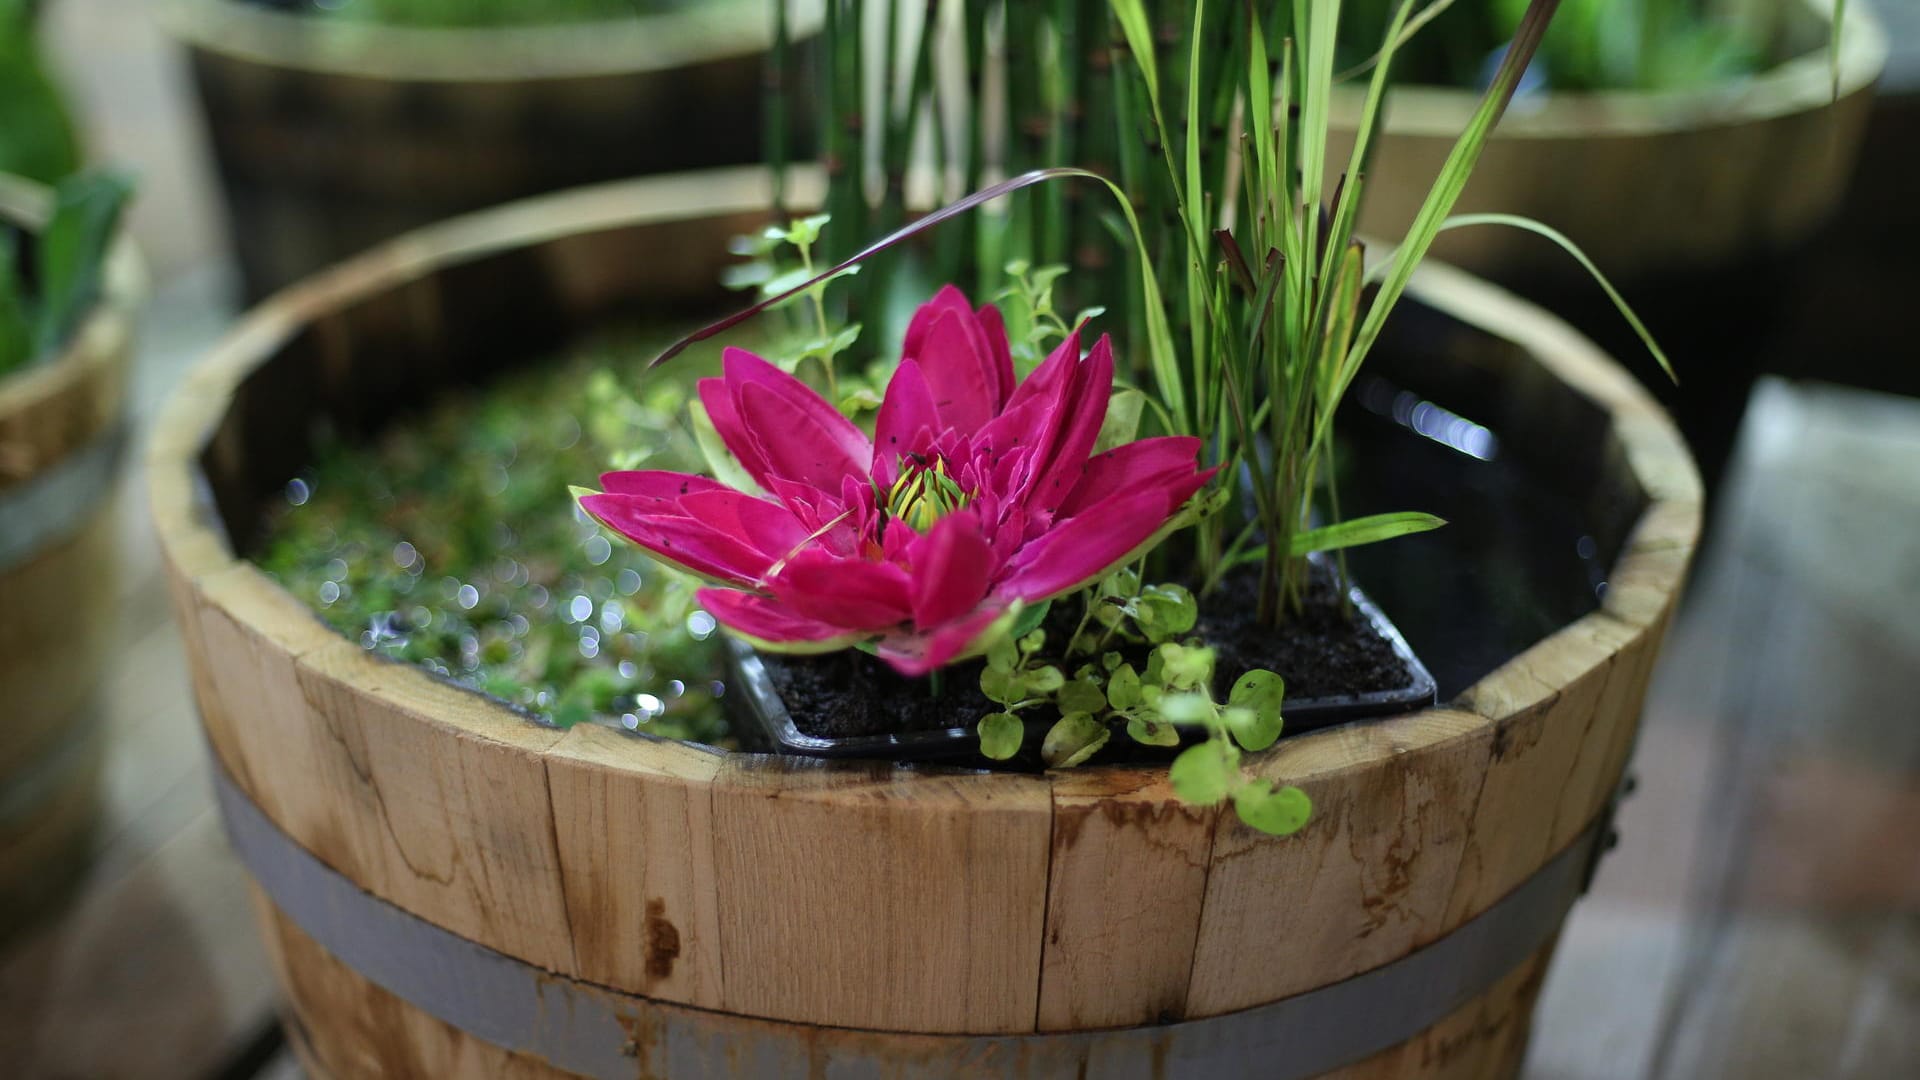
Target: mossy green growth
452 542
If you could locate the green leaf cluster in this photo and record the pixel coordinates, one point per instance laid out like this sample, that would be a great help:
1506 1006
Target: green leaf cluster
1034 326
1210 771
1095 692
782 268
65 260
37 137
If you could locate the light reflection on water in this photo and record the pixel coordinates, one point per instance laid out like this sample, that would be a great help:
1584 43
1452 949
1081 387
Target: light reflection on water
1516 561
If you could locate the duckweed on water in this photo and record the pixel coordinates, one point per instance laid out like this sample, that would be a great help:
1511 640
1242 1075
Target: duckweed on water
452 543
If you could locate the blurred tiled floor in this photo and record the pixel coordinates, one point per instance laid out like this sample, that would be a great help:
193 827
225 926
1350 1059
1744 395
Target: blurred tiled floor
1761 918
1762 915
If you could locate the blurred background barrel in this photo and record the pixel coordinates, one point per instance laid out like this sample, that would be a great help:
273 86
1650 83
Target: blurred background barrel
331 135
1697 202
62 434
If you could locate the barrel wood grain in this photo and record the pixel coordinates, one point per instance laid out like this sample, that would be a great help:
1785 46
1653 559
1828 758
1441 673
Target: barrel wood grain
1366 881
881 898
864 898
635 836
1124 898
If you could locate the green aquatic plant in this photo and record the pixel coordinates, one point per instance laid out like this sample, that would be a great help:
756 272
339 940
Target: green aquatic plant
451 542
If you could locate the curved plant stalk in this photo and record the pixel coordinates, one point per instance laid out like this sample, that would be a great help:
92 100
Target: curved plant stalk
1518 221
1160 338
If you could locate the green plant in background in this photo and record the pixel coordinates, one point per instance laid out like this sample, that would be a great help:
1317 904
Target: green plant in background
1592 45
37 137
51 276
453 544
474 13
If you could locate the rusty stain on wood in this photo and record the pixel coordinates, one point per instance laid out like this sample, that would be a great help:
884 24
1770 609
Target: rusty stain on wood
663 941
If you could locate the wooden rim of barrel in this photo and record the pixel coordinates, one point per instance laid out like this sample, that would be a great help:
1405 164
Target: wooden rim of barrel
659 41
50 410
1803 82
581 851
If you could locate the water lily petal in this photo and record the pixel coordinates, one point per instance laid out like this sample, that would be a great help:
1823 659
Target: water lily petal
767 526
796 444
914 655
682 541
949 301
1085 547
767 624
952 566
1168 462
1084 410
717 398
1052 375
959 369
743 371
1002 352
905 423
855 593
658 485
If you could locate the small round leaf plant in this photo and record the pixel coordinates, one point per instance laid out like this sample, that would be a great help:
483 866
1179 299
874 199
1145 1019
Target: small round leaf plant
977 501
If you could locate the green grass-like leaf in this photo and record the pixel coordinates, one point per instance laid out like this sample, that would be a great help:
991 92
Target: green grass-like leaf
16 328
72 252
1517 221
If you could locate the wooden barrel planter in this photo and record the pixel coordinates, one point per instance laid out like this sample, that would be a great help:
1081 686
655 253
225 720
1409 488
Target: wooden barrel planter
62 432
330 136
452 890
1645 182
1694 202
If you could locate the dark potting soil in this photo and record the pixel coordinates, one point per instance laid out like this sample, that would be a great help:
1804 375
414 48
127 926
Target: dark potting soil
848 694
1326 649
1322 651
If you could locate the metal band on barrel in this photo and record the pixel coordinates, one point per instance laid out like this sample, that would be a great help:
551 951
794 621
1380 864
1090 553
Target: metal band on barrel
589 1030
58 500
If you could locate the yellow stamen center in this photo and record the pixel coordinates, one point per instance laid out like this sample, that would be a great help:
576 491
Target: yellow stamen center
924 494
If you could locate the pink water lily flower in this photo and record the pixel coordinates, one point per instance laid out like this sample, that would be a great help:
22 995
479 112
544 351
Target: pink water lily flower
975 497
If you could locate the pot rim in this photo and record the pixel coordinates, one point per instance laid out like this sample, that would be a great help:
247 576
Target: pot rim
708 31
1802 83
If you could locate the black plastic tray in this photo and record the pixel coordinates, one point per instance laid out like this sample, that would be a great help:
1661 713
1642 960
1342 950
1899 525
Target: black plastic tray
762 703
